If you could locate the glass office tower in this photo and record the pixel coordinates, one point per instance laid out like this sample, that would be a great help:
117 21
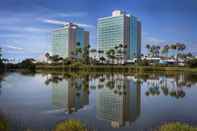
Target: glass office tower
120 28
67 39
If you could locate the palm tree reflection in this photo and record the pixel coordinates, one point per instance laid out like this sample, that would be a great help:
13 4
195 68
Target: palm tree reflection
118 101
69 94
173 86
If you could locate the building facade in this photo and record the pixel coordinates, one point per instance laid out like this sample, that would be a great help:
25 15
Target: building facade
119 29
67 39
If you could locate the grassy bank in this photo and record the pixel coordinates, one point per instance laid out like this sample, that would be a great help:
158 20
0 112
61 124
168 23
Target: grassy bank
115 68
176 127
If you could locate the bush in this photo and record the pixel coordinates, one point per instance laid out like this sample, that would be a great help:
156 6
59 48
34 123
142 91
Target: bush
70 125
192 63
177 127
77 65
27 64
3 124
143 62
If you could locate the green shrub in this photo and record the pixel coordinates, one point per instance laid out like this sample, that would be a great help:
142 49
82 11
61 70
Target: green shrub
77 65
192 63
177 127
27 64
143 62
70 125
3 124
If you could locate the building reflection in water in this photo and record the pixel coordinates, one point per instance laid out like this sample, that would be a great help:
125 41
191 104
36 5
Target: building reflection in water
173 86
118 100
70 95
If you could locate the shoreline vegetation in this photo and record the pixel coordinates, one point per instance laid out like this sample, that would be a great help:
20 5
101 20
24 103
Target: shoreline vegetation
158 60
176 126
76 125
112 68
84 69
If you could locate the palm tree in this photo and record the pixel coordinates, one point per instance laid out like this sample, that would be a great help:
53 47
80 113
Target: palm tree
93 51
177 47
154 50
111 55
148 47
78 43
120 52
85 54
189 54
157 51
174 47
1 59
100 52
102 59
47 55
165 50
78 51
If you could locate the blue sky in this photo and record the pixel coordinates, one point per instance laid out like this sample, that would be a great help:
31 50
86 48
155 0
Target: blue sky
26 25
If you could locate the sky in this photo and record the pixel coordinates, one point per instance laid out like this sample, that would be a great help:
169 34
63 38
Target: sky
26 25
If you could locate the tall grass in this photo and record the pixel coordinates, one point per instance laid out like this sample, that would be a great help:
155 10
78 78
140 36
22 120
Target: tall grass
177 126
70 125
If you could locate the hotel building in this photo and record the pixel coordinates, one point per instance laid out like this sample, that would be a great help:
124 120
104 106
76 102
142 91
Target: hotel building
120 28
67 39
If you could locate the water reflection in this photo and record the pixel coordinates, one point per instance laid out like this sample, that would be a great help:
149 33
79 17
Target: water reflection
69 94
118 97
118 101
112 100
3 123
1 79
173 86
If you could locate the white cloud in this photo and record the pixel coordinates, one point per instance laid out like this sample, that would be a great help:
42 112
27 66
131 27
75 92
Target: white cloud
14 47
11 47
85 25
24 29
56 22
72 14
35 29
12 35
59 22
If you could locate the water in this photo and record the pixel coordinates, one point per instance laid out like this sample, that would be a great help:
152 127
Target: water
104 102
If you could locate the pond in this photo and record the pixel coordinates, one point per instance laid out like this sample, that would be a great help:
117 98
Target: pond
103 102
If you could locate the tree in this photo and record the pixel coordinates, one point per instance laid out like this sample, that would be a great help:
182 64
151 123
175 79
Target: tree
192 62
27 64
178 48
78 51
154 50
102 59
100 52
165 50
47 55
55 58
157 51
189 55
173 47
1 60
78 43
85 54
148 47
111 55
120 52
